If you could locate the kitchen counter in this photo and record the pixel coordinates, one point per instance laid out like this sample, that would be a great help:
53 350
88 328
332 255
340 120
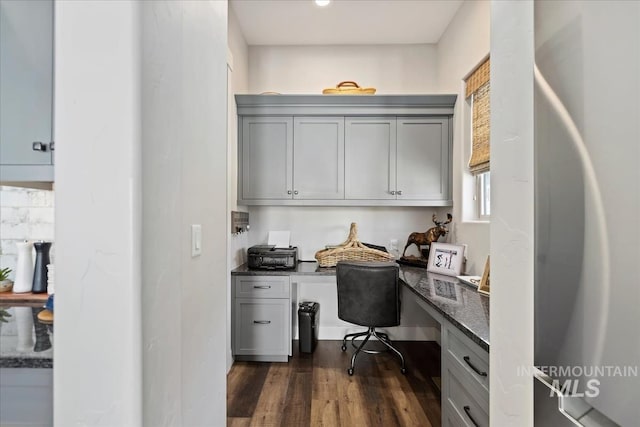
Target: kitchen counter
457 302
25 342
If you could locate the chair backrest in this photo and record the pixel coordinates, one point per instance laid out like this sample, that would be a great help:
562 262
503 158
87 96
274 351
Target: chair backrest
368 293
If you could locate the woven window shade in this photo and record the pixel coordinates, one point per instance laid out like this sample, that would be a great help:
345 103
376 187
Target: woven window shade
478 78
478 85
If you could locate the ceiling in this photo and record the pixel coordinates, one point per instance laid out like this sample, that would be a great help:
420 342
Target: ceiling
302 22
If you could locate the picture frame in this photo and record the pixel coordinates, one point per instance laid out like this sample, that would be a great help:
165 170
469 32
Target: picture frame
445 258
485 285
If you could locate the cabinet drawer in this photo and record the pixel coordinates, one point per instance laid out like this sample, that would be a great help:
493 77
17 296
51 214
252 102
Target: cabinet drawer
262 286
462 406
262 326
470 358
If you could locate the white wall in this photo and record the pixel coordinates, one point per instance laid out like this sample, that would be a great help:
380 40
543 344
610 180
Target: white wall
184 182
135 78
312 228
391 69
460 49
98 376
237 82
512 212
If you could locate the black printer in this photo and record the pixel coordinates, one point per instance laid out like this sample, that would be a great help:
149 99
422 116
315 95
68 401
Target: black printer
268 257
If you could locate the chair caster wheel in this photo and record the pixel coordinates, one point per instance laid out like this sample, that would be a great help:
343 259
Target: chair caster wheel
344 347
404 371
350 371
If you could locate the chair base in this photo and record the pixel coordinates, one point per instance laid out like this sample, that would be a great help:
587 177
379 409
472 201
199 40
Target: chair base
381 336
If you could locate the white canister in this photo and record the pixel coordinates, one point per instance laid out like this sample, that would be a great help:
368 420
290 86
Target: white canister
51 277
24 268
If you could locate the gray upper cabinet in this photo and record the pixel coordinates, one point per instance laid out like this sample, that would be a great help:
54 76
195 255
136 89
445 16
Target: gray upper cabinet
383 150
26 90
318 158
370 158
424 159
267 156
286 159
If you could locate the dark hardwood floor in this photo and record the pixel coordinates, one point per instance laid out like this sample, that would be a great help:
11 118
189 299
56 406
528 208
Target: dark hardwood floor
315 389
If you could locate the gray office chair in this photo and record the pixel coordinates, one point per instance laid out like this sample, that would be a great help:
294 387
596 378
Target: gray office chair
369 295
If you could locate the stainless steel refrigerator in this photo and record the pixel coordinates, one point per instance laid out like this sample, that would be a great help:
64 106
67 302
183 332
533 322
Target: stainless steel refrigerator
587 213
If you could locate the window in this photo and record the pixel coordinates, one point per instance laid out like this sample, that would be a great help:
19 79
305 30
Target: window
478 94
483 195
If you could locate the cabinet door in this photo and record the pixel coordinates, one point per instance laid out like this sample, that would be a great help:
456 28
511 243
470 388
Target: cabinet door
423 159
370 158
26 82
267 157
262 326
318 159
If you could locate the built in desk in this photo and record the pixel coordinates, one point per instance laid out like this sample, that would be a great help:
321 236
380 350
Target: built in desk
264 324
443 297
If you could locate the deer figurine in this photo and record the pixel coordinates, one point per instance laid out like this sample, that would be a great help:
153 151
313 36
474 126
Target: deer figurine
430 236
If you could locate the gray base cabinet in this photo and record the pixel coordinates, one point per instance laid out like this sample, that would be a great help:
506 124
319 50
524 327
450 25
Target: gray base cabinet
465 380
26 397
261 328
387 150
26 90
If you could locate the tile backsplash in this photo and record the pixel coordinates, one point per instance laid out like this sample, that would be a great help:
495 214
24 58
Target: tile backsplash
25 214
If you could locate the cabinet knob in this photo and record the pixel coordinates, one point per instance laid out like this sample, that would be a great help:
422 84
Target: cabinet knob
295 192
393 193
39 146
52 146
288 191
399 192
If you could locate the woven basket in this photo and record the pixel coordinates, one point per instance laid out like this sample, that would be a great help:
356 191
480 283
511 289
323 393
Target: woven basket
351 250
349 88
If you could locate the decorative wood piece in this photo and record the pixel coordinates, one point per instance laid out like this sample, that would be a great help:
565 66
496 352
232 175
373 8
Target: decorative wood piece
424 239
484 287
429 236
349 88
413 261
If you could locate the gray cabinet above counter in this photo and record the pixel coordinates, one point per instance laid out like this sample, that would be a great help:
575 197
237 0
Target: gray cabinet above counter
342 150
26 91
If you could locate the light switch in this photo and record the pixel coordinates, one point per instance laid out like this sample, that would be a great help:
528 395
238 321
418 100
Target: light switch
196 240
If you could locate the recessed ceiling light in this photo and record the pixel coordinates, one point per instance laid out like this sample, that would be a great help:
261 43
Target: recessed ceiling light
322 3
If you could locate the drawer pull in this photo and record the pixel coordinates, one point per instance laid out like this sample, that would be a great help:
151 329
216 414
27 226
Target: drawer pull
261 287
467 411
262 322
477 371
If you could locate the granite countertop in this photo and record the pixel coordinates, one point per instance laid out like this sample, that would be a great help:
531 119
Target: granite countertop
25 342
457 302
304 268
